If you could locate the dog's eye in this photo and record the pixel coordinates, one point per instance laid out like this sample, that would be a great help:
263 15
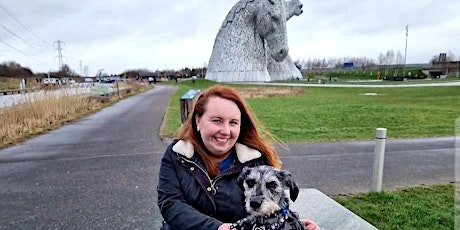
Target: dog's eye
271 185
250 183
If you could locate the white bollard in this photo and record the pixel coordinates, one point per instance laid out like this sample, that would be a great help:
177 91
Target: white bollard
379 153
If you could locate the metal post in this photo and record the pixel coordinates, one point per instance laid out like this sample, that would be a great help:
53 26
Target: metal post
118 90
23 85
379 153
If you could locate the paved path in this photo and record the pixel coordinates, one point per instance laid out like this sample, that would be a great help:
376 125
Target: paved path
346 167
97 173
101 171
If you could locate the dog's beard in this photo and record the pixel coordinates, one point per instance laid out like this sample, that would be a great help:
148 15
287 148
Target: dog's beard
266 208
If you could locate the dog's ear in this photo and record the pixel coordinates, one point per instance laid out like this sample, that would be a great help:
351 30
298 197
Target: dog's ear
288 181
244 173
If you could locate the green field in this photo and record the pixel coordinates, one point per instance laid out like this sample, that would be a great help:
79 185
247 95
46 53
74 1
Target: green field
411 208
336 114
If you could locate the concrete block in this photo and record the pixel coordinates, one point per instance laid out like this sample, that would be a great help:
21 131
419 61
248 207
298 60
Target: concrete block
326 212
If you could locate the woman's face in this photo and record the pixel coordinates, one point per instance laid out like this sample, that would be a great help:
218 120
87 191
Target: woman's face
219 126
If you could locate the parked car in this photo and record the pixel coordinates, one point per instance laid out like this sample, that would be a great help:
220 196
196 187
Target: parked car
51 81
89 80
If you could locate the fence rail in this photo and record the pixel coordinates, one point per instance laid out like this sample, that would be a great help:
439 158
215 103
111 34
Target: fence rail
13 91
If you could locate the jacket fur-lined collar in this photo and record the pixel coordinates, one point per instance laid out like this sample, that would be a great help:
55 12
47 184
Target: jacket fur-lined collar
244 153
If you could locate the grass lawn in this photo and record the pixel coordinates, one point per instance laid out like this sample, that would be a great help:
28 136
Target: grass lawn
335 114
413 208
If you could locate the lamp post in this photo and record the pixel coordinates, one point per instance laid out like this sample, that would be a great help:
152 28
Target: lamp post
405 52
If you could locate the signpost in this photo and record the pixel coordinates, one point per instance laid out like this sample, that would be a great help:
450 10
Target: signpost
186 103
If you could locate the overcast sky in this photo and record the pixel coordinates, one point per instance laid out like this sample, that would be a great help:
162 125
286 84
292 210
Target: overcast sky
119 35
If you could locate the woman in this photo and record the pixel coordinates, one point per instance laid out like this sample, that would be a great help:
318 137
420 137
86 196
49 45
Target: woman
197 186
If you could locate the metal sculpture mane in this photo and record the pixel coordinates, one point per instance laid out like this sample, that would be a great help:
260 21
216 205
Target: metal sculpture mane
286 69
252 42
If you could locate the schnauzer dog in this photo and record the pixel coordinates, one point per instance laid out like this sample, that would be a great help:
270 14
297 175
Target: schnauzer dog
265 199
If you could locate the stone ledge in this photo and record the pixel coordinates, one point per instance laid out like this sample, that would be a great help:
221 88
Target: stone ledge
326 212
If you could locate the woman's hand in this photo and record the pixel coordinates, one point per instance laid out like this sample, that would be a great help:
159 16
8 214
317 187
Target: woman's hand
224 226
309 225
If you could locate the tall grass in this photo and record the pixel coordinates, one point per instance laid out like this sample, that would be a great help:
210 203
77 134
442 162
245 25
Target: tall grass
9 83
42 112
37 115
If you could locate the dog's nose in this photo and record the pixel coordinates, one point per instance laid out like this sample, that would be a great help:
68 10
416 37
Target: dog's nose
255 202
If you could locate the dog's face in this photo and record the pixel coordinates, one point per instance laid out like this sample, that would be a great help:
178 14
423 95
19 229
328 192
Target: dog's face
264 187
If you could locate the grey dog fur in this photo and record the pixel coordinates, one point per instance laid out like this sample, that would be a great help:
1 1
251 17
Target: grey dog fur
265 199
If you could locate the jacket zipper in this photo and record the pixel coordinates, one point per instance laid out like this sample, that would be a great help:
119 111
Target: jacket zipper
212 182
207 176
202 170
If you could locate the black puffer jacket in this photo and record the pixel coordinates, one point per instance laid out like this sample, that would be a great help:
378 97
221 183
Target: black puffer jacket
189 199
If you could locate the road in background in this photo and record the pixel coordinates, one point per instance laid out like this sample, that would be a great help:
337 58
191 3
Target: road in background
346 167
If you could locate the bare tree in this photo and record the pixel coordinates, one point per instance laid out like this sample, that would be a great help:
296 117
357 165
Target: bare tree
309 64
399 61
331 62
450 56
381 59
389 58
434 59
399 58
339 63
323 63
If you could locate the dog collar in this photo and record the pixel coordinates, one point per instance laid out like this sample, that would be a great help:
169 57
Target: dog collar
281 212
284 211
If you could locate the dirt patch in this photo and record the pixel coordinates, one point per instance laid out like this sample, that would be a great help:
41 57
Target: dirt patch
263 92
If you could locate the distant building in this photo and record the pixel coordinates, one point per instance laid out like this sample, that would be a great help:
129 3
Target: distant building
147 74
446 67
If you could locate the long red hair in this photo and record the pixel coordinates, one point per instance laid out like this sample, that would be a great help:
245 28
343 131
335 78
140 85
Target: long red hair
250 135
